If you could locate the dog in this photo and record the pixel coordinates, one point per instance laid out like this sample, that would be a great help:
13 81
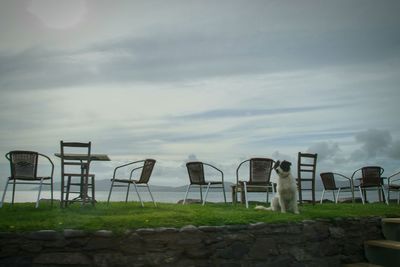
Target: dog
285 198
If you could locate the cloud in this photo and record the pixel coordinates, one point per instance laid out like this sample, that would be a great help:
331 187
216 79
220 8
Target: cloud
374 142
325 150
394 150
183 56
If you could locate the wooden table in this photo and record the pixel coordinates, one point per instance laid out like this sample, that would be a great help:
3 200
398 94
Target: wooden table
79 157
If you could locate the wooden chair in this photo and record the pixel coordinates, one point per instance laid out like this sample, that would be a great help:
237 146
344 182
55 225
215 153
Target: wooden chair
306 169
24 170
329 183
259 180
197 178
144 177
371 179
76 173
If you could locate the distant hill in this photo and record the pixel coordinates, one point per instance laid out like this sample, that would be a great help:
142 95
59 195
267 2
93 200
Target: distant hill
104 185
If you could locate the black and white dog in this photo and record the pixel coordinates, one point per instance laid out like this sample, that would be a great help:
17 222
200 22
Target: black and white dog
285 198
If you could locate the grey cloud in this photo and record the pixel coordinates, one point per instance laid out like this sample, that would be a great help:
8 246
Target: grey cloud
394 150
187 56
325 150
374 141
229 113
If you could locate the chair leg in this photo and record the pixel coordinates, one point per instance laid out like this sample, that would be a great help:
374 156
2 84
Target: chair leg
109 194
151 195
67 192
127 193
337 196
223 190
93 192
205 197
187 192
40 191
245 195
4 194
322 196
13 193
398 197
51 189
137 192
383 195
362 196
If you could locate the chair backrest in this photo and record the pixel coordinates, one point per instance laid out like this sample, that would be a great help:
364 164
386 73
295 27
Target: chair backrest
328 180
260 170
23 164
73 148
371 176
196 172
147 169
306 164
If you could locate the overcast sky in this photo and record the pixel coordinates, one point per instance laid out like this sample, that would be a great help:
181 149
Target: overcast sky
216 81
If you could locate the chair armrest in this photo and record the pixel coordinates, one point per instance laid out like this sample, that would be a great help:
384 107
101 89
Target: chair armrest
393 175
345 177
134 169
222 174
124 165
51 162
237 170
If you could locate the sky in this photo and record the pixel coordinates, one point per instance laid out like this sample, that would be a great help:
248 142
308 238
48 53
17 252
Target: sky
215 81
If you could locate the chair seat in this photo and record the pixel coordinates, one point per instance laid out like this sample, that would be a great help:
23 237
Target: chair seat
127 181
255 183
394 186
343 187
369 185
206 183
30 179
77 174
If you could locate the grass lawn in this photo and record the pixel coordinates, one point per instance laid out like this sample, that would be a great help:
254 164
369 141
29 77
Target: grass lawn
120 216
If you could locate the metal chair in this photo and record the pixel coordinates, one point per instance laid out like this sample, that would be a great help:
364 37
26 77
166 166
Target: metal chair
393 185
24 170
197 178
306 169
329 183
147 169
371 178
259 178
77 169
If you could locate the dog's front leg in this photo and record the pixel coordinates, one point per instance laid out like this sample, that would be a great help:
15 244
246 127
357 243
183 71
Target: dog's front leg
295 208
283 205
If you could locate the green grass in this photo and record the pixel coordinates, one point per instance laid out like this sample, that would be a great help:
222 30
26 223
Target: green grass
119 217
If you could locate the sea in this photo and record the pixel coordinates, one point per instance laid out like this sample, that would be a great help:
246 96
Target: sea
171 197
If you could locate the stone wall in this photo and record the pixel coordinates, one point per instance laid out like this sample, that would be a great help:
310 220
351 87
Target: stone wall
309 243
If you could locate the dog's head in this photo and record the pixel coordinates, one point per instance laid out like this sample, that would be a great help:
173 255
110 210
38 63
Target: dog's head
282 168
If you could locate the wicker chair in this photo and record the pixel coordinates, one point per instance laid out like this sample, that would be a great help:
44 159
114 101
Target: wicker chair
147 169
197 178
24 170
329 183
393 185
371 179
259 178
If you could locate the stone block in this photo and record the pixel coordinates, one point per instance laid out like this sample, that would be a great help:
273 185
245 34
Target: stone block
63 258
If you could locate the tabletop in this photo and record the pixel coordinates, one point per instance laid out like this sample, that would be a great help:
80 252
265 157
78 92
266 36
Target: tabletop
69 156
